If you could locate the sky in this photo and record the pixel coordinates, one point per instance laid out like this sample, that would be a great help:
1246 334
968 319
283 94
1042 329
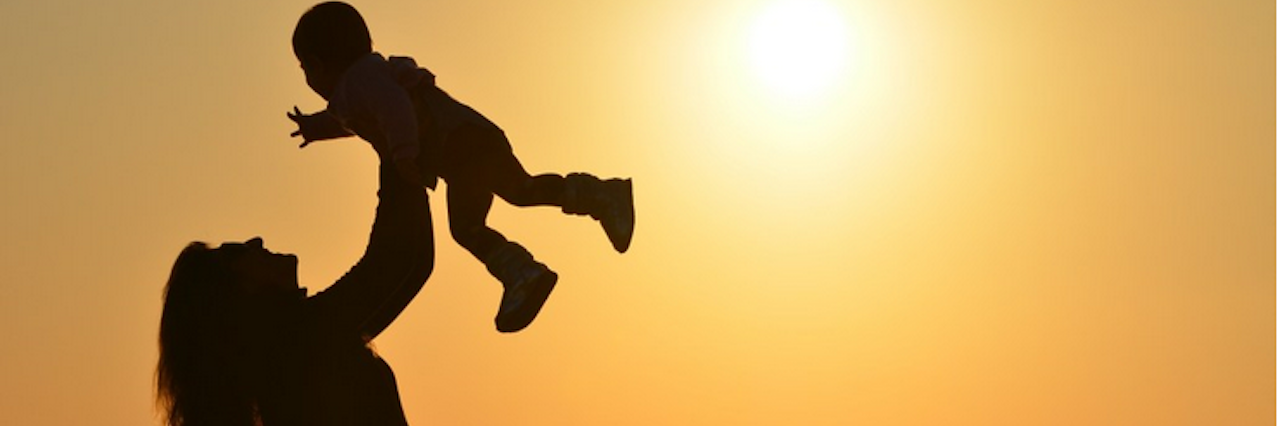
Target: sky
918 212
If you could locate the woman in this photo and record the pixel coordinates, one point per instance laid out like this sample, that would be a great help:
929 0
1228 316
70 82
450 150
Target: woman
242 344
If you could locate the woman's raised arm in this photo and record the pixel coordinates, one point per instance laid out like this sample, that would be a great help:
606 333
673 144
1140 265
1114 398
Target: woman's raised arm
396 263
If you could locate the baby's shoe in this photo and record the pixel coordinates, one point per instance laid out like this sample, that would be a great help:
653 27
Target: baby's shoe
609 201
526 285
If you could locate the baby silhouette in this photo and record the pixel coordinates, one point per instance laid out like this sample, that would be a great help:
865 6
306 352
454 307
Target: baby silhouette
395 105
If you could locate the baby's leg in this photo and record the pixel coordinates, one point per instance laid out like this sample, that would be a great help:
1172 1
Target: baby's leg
510 181
608 201
468 211
526 282
482 157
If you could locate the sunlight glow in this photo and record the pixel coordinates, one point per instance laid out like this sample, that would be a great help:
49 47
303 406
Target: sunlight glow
798 47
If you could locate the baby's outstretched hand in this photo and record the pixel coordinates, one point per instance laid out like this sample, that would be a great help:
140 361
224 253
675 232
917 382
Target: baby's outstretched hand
315 127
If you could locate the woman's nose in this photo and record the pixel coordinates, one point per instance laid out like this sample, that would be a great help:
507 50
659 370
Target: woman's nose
255 242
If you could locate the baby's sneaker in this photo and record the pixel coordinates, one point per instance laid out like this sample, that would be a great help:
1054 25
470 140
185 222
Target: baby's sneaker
526 285
610 201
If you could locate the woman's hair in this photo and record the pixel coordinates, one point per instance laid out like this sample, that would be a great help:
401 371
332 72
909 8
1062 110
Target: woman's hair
201 377
332 32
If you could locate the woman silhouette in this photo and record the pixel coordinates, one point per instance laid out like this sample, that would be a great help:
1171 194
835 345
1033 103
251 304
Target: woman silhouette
242 344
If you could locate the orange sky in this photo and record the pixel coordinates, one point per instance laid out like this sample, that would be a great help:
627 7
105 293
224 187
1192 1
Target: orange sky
998 213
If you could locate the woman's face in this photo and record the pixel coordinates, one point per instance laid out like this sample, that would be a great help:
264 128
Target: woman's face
261 270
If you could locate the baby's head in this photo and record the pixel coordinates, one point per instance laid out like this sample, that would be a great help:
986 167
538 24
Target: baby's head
328 39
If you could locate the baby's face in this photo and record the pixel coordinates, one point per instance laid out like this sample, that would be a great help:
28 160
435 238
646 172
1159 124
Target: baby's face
318 78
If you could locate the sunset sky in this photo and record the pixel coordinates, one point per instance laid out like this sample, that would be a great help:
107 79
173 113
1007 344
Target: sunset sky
875 212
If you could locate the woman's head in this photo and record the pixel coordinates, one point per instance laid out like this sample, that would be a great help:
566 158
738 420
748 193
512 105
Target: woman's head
257 270
211 329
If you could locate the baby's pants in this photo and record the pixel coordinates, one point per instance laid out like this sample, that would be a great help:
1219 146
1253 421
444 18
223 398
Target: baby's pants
476 163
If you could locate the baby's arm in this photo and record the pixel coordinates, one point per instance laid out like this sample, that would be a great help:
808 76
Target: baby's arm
317 127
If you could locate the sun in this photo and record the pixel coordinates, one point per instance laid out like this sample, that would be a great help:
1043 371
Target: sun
798 48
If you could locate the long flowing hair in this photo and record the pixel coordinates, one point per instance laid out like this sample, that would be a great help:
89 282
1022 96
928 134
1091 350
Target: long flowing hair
203 375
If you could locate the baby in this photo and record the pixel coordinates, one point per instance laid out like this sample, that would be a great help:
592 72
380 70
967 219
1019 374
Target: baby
396 106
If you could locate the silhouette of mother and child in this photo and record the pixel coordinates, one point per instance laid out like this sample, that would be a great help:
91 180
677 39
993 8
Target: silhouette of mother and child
241 343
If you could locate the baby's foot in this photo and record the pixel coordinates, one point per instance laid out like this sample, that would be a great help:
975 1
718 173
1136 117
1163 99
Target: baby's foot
526 285
609 201
521 301
617 213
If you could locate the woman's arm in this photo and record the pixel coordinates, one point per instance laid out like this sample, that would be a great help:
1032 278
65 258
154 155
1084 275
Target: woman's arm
396 263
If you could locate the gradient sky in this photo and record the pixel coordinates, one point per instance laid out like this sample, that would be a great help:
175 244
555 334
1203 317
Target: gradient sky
998 213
